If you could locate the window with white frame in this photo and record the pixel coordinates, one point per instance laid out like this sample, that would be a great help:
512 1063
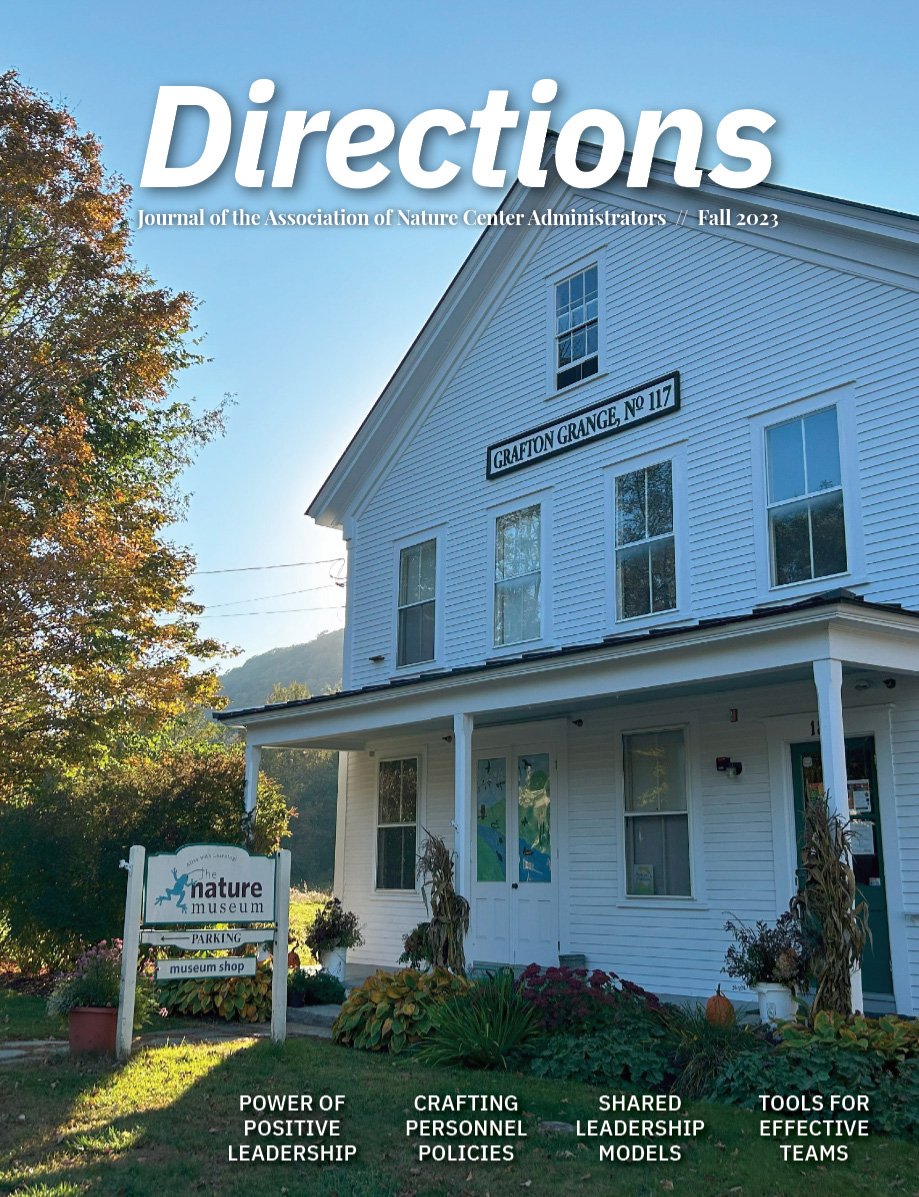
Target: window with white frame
397 818
576 327
645 552
517 576
417 586
807 528
656 814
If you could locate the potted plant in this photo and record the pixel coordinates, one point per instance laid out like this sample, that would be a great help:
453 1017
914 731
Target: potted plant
772 959
334 930
89 997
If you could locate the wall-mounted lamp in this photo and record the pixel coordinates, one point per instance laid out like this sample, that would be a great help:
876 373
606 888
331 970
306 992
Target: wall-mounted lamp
578 722
724 764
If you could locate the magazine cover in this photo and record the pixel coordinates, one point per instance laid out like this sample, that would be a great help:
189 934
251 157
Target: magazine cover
459 600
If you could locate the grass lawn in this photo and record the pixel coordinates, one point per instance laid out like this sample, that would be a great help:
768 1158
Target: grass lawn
23 1016
303 906
163 1125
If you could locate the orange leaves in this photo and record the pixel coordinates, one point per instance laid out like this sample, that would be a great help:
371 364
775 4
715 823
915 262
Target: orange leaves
95 629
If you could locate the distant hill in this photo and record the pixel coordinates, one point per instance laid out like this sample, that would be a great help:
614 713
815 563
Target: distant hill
316 664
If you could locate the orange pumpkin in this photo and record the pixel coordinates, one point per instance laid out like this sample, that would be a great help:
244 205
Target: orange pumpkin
293 960
719 1010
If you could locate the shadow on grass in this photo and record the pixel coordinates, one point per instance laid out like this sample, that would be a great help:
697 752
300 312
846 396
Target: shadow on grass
165 1123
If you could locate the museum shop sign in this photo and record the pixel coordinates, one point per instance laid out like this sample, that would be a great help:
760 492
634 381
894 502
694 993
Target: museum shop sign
617 414
205 884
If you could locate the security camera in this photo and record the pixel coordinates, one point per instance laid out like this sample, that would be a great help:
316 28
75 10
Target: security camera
890 682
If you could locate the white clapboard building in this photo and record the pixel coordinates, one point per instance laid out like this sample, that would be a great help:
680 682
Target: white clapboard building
633 545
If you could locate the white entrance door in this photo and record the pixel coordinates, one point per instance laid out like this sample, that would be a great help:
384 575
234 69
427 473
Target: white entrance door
515 867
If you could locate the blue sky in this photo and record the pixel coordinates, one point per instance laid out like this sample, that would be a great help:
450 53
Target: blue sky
304 326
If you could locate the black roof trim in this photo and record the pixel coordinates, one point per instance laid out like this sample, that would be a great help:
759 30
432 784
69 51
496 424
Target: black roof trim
827 598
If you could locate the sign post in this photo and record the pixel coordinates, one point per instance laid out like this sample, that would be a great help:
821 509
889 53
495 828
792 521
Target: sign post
198 885
130 942
279 954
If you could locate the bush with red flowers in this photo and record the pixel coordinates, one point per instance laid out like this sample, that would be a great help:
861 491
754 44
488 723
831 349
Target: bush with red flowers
574 1000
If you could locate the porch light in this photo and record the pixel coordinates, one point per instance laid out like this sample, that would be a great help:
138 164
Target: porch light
724 764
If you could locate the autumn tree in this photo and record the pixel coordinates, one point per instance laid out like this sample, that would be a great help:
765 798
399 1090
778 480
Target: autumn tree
96 624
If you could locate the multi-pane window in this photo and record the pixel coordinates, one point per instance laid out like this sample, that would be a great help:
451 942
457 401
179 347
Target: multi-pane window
807 527
576 331
397 816
417 584
656 814
645 556
517 576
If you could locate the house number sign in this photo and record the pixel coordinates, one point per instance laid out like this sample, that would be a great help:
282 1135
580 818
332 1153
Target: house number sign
656 398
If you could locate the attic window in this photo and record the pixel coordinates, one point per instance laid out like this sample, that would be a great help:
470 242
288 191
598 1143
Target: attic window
576 327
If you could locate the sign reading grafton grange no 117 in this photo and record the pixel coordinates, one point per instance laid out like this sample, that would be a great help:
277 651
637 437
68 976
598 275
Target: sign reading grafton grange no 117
617 414
209 883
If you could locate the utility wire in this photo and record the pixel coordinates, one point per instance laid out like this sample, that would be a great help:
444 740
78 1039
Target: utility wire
285 611
245 569
262 597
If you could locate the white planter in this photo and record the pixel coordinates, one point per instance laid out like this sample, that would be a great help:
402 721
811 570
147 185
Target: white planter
333 962
776 1002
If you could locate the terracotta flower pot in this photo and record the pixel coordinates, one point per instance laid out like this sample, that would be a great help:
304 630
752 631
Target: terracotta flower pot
93 1030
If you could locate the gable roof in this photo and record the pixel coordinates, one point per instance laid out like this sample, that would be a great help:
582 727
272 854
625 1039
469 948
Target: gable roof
881 243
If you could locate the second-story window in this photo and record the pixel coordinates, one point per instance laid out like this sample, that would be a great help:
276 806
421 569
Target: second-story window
807 529
517 576
417 585
576 330
645 554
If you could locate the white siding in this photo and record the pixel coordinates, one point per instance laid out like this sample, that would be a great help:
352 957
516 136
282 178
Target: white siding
668 948
748 329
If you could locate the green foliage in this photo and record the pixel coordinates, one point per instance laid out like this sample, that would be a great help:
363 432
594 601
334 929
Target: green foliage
245 998
313 989
821 1068
890 1038
485 1028
60 884
701 1049
633 1050
333 927
449 911
390 1011
309 781
829 902
416 947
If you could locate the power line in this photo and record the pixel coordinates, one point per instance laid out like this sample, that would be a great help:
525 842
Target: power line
261 597
245 569
286 611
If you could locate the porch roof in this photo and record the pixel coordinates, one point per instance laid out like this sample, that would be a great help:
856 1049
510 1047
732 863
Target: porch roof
769 643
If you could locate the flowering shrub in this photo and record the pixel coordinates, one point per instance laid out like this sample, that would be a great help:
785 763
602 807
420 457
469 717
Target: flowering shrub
574 1000
96 981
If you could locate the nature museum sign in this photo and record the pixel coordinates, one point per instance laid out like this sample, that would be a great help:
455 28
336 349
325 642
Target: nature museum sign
209 883
213 884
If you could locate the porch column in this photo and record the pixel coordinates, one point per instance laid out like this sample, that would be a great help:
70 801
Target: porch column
828 680
462 799
253 762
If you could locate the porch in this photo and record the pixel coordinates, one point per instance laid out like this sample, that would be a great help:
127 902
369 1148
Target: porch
745 691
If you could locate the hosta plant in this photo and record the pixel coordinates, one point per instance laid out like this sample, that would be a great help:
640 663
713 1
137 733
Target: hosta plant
245 998
889 1037
390 1011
